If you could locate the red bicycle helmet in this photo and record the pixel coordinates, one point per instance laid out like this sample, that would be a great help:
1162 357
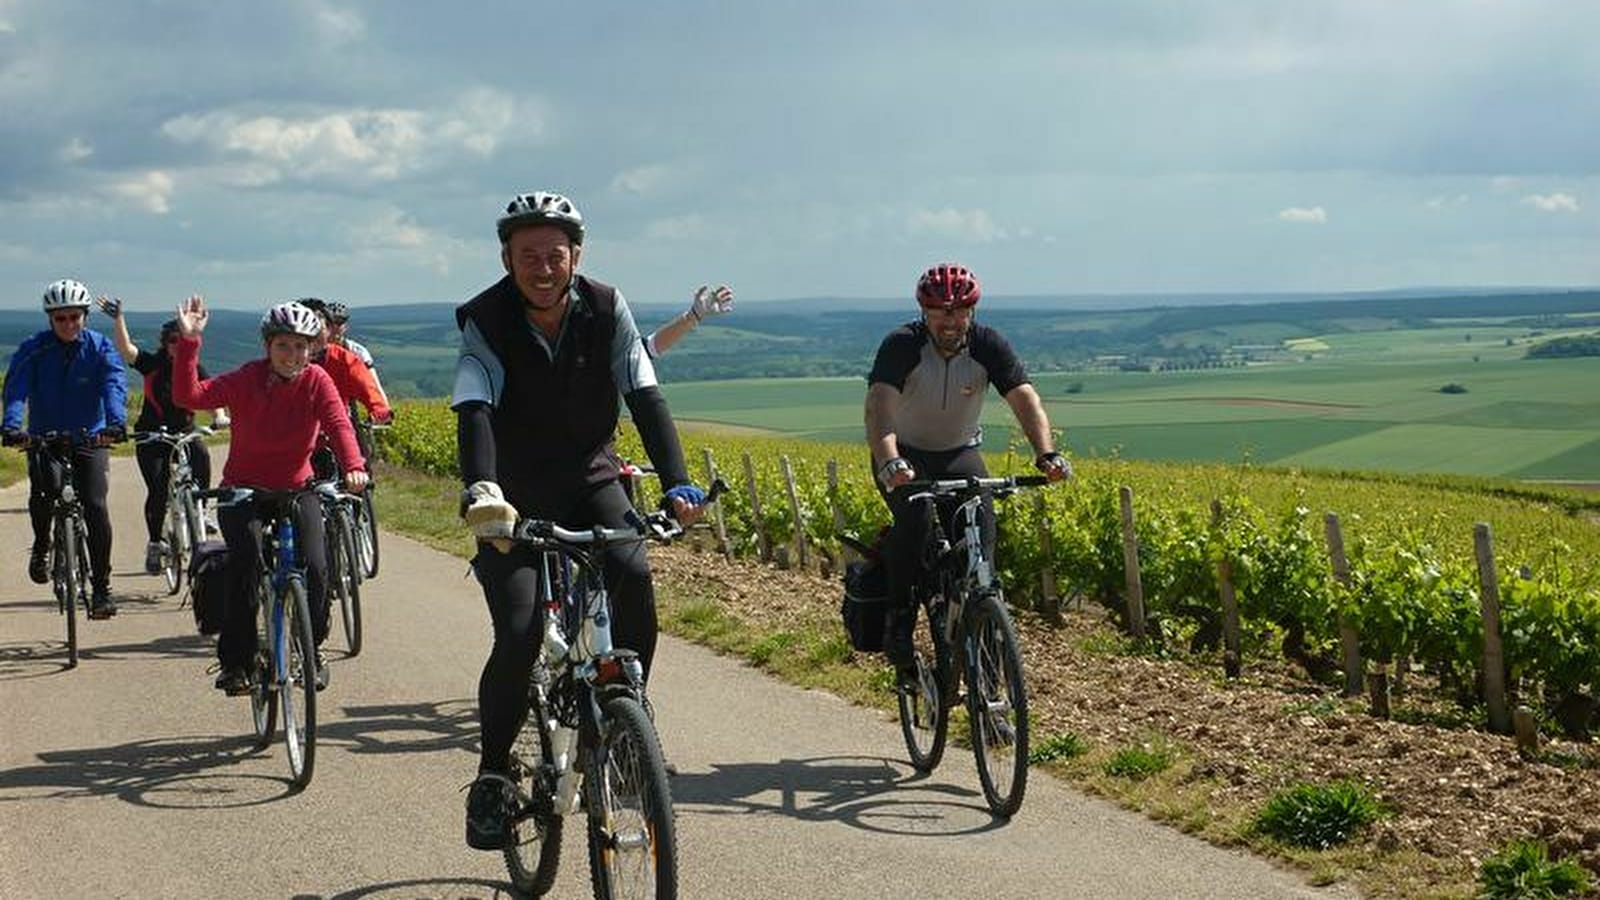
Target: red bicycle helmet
948 286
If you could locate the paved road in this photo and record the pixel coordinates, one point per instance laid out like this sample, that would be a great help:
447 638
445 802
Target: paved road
130 777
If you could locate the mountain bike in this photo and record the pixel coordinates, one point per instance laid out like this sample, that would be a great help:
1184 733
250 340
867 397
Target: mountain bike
589 741
965 613
284 673
184 526
339 513
69 532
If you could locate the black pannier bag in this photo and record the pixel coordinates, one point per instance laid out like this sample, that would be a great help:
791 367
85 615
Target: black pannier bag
207 590
866 604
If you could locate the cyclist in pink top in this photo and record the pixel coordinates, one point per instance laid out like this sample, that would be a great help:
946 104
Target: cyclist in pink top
280 405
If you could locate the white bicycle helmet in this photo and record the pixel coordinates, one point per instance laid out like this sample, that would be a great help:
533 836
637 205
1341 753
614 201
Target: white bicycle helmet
541 208
290 318
66 294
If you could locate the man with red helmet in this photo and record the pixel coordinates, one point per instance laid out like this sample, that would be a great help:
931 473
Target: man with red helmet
924 396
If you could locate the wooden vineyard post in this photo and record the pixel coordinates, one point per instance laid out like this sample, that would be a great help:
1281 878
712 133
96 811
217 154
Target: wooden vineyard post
717 518
794 507
1348 640
1230 603
764 547
1494 661
847 555
1130 565
1049 600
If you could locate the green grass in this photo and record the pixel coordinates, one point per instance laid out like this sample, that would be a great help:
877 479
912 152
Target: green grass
1318 816
1140 761
1525 871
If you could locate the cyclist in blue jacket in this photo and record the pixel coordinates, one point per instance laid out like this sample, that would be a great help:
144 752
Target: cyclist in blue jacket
70 379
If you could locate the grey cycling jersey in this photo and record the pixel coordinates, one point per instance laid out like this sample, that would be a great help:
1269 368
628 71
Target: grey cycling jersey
481 376
941 399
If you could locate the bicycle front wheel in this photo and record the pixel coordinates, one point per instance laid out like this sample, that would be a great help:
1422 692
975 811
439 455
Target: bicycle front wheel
263 683
997 704
633 845
297 683
924 712
534 853
65 570
172 556
344 572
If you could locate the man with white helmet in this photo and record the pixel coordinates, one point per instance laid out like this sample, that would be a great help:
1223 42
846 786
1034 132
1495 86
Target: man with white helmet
545 353
280 405
71 380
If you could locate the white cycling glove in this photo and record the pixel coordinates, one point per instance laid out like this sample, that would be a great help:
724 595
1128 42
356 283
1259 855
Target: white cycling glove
710 302
111 306
489 515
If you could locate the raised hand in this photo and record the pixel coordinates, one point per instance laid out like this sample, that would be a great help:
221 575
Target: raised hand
192 316
710 302
111 306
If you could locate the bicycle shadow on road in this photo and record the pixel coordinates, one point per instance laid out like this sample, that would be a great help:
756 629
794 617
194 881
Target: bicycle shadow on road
423 889
32 659
426 727
168 773
870 793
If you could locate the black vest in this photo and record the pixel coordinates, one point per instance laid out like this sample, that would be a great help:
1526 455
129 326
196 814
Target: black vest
555 419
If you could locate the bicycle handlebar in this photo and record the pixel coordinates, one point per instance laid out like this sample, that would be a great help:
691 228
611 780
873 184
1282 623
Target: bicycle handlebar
971 484
164 436
22 440
235 495
657 526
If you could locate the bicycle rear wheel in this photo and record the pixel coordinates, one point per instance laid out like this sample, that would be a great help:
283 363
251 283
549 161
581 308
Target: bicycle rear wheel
534 854
997 704
263 683
345 577
367 534
924 712
633 845
297 684
65 570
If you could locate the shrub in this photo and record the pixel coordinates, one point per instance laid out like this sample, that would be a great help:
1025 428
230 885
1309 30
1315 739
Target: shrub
1318 816
1523 870
1453 387
1060 746
1138 762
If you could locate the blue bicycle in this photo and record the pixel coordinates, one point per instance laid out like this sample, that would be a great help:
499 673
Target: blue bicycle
284 674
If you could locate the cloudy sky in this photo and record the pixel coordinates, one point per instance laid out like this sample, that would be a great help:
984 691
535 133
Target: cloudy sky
361 150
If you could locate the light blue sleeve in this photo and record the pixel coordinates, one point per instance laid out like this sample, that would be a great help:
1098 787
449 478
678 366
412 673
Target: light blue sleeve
479 375
630 363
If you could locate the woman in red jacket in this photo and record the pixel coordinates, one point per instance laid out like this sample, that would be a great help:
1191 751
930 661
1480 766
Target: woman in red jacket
280 405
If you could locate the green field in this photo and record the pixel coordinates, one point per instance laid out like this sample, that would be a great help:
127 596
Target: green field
1372 400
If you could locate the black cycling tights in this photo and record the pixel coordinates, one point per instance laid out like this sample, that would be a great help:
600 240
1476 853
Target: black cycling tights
91 471
153 466
903 560
510 582
242 529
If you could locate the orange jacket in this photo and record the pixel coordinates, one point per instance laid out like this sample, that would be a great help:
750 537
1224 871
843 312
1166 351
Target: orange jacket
354 381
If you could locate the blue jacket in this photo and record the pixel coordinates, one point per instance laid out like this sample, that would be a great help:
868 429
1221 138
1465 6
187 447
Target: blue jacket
81 386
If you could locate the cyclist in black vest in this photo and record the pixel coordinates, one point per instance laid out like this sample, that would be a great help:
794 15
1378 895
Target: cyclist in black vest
158 411
545 353
925 394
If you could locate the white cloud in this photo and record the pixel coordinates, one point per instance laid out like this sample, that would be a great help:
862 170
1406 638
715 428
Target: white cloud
691 226
152 190
969 225
1302 215
74 150
339 26
358 144
641 180
1552 203
1502 184
7 28
1445 200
